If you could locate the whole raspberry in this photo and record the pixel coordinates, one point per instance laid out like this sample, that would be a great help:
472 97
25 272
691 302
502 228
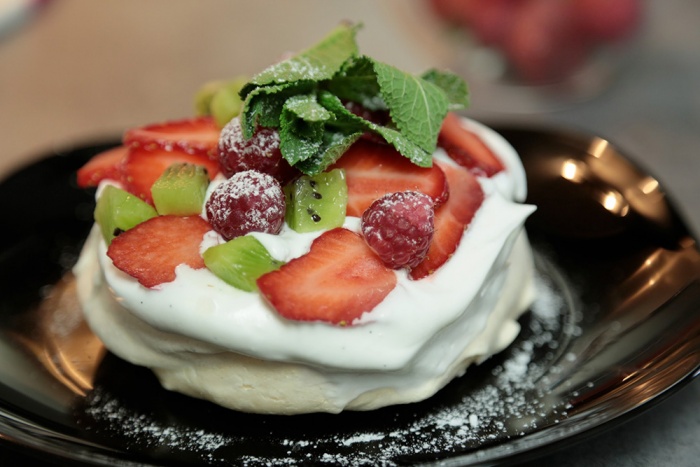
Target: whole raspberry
249 201
261 152
399 228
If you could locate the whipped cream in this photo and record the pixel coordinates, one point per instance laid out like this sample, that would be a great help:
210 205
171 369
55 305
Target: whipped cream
208 339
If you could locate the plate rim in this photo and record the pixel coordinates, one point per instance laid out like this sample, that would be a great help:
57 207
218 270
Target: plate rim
46 441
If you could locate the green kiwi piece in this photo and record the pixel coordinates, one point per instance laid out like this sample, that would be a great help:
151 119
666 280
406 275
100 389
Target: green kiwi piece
204 95
317 202
117 211
240 261
220 99
180 190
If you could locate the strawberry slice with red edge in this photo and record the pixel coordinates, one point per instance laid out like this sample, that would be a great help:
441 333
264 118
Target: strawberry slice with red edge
152 250
451 219
195 136
142 167
338 280
105 165
466 148
373 170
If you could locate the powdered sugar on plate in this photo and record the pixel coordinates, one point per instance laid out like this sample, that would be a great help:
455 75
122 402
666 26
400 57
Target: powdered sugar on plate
505 398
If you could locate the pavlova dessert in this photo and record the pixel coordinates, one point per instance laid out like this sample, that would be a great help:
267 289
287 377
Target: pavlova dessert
327 236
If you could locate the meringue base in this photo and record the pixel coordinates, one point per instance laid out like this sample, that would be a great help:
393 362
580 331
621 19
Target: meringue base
241 382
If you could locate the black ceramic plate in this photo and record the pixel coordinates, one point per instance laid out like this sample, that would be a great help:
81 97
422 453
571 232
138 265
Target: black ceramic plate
615 328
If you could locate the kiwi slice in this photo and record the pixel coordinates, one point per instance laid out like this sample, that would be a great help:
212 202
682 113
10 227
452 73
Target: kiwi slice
220 99
117 211
240 261
180 190
317 202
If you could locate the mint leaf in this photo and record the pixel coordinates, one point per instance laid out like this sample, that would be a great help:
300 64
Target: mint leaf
263 106
352 123
417 106
304 97
357 82
333 146
454 87
307 108
302 128
317 63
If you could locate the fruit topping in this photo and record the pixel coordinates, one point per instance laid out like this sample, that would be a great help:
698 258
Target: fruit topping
240 261
117 211
399 228
608 21
181 190
451 219
105 165
305 97
373 170
316 202
261 152
220 99
152 250
543 41
338 280
194 136
143 167
247 202
466 148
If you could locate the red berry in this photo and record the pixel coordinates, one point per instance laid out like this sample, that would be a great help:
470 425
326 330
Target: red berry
249 201
608 21
491 20
544 44
399 228
261 152
372 170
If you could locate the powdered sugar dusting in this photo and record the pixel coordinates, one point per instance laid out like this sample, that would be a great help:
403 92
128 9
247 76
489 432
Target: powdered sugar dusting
261 146
249 201
504 399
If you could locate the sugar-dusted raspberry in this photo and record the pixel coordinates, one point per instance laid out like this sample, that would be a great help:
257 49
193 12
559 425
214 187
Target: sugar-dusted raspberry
399 228
261 152
249 201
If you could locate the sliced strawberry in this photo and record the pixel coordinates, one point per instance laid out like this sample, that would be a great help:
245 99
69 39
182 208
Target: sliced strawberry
105 165
142 168
338 280
451 219
152 250
196 136
373 170
466 148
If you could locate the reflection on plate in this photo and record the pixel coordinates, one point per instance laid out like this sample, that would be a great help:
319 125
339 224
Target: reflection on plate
615 327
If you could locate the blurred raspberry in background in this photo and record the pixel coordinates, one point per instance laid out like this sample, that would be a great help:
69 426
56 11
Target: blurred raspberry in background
543 41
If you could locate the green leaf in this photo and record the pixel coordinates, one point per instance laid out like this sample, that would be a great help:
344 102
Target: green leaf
357 82
304 98
454 86
307 108
417 106
320 62
302 126
264 105
352 123
334 145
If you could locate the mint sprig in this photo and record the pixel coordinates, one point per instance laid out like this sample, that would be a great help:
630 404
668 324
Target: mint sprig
303 97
